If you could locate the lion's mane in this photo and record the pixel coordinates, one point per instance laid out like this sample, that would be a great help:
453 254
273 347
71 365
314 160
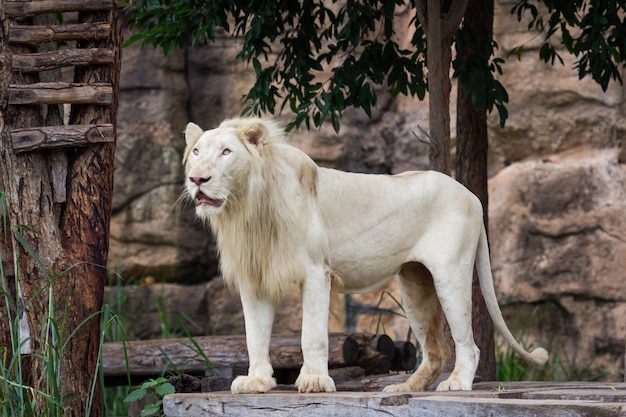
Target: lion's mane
258 232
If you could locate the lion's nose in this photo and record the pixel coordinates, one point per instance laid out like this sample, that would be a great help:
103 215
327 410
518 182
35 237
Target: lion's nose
199 180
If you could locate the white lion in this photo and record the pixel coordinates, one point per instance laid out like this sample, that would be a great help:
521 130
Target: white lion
280 219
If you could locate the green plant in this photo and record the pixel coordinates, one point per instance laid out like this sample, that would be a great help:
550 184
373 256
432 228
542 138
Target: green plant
115 330
133 313
17 397
111 326
500 388
154 389
562 365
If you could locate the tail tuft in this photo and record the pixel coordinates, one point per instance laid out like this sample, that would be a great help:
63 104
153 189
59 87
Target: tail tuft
538 357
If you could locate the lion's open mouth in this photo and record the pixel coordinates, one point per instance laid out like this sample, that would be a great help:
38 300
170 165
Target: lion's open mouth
204 199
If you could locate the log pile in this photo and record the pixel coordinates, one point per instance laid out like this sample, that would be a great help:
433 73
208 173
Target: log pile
351 356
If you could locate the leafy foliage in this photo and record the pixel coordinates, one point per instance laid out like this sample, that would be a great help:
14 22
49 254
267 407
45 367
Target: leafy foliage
315 57
478 74
318 58
594 31
155 389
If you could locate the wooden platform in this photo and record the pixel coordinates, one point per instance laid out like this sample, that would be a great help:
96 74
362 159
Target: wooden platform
510 399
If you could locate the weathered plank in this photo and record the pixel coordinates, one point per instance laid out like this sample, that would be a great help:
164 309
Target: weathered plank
60 93
487 399
149 358
24 8
47 137
286 403
32 35
436 406
44 61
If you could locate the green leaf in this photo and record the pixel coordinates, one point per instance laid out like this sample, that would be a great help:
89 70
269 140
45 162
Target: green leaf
136 395
257 66
153 382
335 121
165 389
151 410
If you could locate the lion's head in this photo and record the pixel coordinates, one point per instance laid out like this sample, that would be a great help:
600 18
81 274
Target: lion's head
219 162
252 189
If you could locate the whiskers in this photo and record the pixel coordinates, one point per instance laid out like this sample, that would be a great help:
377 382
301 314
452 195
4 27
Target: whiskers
183 199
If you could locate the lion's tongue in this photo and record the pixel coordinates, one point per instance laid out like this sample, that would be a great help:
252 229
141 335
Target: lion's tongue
203 199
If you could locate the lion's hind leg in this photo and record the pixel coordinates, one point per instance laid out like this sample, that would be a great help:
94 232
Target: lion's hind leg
454 287
423 311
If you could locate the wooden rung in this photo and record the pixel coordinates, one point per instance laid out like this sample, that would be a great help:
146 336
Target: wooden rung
22 8
47 137
60 93
44 61
32 35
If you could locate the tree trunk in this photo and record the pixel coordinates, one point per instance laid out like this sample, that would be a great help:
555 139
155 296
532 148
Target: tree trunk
471 161
440 27
30 216
439 87
59 235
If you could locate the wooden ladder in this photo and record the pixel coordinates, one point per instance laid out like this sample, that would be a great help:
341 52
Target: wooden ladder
42 43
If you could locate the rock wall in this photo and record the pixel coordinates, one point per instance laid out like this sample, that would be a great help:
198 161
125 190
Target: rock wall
557 189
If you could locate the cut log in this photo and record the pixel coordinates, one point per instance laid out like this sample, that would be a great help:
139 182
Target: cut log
383 344
62 58
33 35
59 93
47 137
354 346
152 357
358 350
23 8
379 354
405 356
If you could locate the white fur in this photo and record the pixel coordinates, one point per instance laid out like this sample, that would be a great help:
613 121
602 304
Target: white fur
284 220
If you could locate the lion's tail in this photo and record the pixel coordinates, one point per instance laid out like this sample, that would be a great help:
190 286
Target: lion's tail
539 356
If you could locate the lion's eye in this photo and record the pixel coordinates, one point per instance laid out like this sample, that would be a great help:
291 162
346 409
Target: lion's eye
226 151
195 151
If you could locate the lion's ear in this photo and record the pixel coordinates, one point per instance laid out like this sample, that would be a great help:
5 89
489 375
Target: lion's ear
192 133
254 133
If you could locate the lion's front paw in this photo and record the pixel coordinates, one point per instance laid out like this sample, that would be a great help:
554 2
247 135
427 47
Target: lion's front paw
315 383
251 385
455 383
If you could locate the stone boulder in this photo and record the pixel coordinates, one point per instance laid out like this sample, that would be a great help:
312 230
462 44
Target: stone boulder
557 232
152 234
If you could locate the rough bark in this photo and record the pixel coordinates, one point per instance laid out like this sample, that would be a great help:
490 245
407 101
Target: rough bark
34 35
31 8
471 164
50 93
49 137
440 27
62 58
86 219
60 240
